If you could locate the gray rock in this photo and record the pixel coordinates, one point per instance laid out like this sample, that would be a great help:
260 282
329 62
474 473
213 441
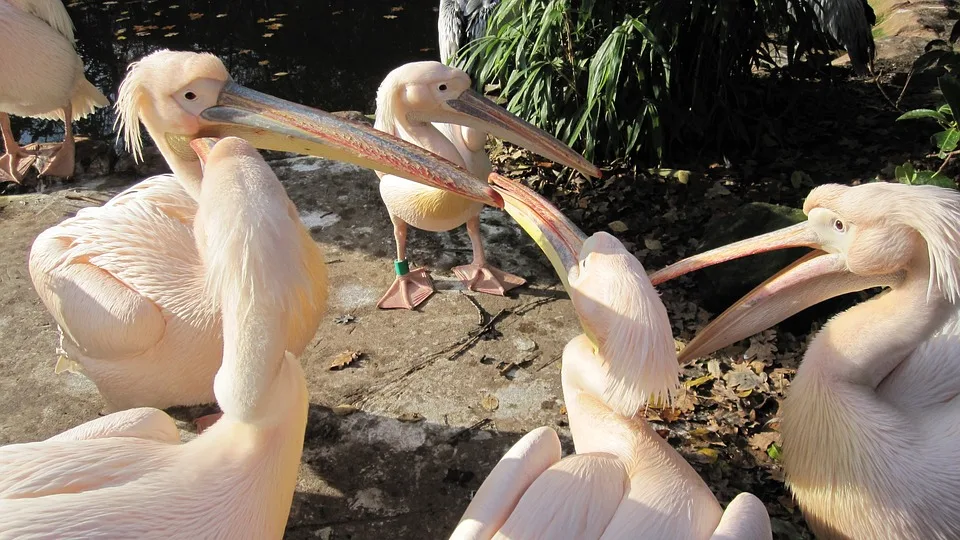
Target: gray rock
724 284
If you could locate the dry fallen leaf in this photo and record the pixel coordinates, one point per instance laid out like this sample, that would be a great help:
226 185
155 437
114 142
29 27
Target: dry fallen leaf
195 16
761 441
344 409
410 417
344 359
490 402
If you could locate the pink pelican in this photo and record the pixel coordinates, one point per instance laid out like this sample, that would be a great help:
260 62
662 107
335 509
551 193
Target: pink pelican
125 281
871 425
624 481
127 474
408 101
42 77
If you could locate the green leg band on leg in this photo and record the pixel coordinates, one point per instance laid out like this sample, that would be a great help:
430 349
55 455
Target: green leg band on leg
402 268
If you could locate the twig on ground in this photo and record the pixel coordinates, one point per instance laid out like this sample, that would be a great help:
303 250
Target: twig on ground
481 313
474 338
461 435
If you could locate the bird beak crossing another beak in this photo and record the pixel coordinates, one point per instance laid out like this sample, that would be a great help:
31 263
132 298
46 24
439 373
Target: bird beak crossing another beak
203 146
816 277
556 235
473 110
274 124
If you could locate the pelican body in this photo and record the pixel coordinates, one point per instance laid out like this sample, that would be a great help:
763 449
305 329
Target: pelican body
41 76
432 105
624 481
125 282
871 425
126 475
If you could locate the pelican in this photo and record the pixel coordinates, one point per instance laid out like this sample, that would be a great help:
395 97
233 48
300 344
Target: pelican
460 22
871 425
624 481
408 101
125 281
41 76
127 474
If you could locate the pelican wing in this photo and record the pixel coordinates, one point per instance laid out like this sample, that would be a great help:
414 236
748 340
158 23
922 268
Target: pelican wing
507 482
744 519
105 273
573 499
51 12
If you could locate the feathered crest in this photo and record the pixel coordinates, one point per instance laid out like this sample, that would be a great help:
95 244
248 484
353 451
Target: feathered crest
932 211
623 313
127 109
385 118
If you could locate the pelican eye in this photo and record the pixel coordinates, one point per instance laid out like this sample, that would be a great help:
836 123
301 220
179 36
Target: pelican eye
838 225
443 88
190 96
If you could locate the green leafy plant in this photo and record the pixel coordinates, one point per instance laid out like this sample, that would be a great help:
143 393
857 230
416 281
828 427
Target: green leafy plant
946 140
626 78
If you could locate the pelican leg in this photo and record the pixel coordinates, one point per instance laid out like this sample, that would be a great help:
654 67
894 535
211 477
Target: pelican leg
13 164
411 287
62 164
480 276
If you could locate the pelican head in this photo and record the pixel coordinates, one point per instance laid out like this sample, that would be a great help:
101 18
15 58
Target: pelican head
864 236
618 307
433 92
180 96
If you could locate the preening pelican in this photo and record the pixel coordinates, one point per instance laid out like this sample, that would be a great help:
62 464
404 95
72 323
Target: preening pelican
408 101
624 481
871 425
126 475
41 76
125 281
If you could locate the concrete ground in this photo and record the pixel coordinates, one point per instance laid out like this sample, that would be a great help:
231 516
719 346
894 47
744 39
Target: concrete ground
396 442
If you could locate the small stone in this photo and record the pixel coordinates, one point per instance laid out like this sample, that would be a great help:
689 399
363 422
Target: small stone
344 410
525 344
618 226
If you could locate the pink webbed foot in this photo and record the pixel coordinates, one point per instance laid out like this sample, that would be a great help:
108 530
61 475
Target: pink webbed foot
13 165
204 422
407 291
62 163
487 279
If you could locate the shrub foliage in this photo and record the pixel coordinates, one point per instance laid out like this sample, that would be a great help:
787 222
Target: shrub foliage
626 78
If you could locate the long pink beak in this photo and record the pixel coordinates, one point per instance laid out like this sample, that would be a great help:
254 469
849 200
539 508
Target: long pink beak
816 277
271 123
558 237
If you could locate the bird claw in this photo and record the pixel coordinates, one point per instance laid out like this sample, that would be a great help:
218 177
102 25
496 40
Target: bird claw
407 291
488 279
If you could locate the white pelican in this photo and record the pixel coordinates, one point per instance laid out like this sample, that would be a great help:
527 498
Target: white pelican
871 425
624 481
125 281
408 101
41 76
126 475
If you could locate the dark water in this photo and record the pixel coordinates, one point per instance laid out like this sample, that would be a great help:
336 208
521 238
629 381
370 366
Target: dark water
330 54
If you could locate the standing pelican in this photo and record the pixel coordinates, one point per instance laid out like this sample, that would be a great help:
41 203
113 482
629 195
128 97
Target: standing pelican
126 475
408 101
41 76
125 281
624 481
460 22
871 426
